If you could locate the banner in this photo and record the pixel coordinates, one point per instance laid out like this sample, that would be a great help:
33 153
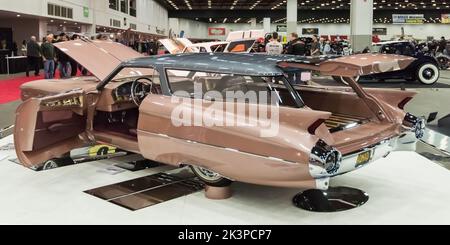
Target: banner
281 28
310 31
379 31
408 18
212 31
445 18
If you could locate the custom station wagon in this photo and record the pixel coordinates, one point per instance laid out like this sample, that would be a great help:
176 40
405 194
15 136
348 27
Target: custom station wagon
131 102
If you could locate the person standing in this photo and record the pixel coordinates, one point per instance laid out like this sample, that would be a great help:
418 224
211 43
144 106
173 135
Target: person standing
23 48
327 48
274 47
48 54
73 63
442 46
64 66
33 51
315 46
295 47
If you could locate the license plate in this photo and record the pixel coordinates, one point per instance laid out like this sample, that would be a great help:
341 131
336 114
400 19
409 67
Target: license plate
363 158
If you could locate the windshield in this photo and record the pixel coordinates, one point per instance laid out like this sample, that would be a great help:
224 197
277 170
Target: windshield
130 72
231 88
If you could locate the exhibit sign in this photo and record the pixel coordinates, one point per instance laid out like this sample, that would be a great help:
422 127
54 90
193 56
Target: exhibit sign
408 18
310 31
217 31
281 28
445 18
86 12
379 31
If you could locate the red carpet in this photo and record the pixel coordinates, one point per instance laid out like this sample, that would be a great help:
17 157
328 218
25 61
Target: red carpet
10 89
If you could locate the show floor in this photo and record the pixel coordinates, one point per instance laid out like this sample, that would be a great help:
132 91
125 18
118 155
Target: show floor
404 188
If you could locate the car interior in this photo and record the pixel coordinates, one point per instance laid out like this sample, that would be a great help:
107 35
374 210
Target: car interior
121 118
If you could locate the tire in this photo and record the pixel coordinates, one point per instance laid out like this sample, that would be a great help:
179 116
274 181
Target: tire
56 163
209 177
341 79
428 74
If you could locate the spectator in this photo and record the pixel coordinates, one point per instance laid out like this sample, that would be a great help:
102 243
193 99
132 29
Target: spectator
327 48
3 44
315 46
64 66
274 47
23 48
442 46
322 44
33 51
73 63
15 49
48 54
296 46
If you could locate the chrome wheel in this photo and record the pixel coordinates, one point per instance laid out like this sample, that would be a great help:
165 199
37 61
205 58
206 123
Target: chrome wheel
210 177
50 164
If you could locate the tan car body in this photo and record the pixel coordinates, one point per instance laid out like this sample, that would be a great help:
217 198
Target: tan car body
58 116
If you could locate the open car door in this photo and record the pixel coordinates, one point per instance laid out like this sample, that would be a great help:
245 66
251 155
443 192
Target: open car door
50 127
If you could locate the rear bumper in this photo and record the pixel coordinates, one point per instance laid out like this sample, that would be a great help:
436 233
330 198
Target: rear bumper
407 141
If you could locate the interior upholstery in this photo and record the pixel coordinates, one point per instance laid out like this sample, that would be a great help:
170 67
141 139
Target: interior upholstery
56 126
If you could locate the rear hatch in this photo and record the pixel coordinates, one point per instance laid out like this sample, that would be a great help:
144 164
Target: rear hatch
360 119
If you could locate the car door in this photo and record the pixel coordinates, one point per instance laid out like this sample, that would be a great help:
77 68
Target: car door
49 127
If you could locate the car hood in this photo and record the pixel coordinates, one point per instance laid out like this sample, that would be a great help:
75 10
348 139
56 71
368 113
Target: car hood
98 57
175 45
42 88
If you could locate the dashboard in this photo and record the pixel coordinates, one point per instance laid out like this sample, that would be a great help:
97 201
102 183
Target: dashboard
122 93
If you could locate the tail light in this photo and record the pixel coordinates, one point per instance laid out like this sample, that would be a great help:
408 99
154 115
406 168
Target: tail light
415 124
327 158
402 104
312 129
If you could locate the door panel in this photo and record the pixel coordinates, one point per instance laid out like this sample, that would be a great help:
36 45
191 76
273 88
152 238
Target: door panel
291 140
49 127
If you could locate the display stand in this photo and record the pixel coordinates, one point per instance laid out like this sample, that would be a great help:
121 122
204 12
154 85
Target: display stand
218 193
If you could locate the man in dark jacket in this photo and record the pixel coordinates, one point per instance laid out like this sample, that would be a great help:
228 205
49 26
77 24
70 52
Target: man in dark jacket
33 56
48 53
296 46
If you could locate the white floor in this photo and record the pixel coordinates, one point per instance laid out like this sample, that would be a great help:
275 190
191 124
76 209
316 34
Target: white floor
405 188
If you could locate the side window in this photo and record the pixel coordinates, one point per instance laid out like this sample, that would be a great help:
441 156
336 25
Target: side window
229 87
203 50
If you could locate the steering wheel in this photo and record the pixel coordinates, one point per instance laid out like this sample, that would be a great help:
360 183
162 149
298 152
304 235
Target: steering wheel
140 88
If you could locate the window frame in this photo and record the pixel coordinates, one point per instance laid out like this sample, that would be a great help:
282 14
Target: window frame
296 96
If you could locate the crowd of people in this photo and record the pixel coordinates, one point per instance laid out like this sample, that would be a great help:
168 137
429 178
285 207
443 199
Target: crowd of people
314 46
52 58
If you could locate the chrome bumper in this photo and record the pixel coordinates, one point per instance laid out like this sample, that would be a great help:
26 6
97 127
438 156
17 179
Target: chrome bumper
414 130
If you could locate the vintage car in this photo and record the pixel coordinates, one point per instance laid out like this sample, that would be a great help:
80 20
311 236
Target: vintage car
236 42
425 69
134 105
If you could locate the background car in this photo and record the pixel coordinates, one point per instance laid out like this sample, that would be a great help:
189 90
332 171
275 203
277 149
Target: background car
425 69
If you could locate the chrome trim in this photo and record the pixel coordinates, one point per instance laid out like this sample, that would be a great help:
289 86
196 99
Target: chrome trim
324 160
415 124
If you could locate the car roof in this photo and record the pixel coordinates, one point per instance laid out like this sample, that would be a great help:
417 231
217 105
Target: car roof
208 44
391 42
243 64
